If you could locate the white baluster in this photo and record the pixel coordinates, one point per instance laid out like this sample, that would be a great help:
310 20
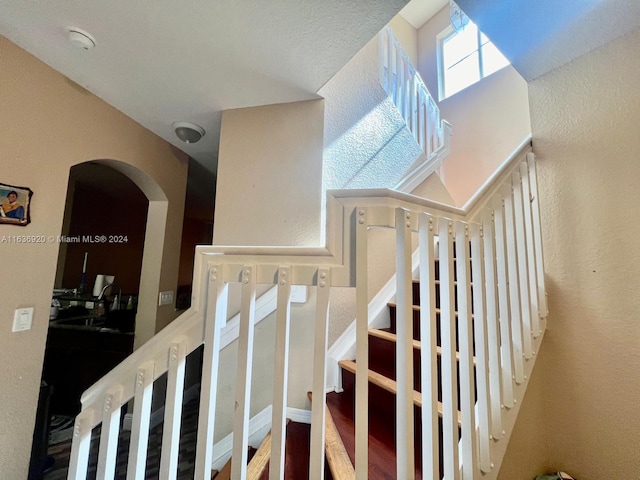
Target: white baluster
280 375
514 285
430 128
109 434
404 347
523 265
429 349
493 328
215 318
321 343
481 305
531 251
537 232
468 458
399 81
243 378
362 347
382 44
173 410
422 121
506 339
448 359
141 418
391 68
79 459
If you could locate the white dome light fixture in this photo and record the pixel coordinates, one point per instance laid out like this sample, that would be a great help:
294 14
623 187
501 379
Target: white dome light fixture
80 38
188 132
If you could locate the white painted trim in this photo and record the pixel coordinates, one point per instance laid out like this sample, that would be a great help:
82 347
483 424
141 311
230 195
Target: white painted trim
259 426
265 305
299 415
419 174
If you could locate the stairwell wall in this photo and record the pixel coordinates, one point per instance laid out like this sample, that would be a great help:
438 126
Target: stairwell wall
585 118
490 119
269 194
49 124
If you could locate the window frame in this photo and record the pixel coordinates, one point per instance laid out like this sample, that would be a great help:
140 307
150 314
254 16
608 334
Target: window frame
441 39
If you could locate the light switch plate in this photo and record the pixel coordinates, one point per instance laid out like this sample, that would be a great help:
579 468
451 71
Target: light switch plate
22 319
166 298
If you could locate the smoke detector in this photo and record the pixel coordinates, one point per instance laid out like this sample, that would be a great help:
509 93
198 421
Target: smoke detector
188 132
80 38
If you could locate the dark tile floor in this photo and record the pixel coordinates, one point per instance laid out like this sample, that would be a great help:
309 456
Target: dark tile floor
62 451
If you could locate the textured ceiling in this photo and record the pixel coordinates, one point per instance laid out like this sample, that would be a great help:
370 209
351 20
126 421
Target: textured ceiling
160 61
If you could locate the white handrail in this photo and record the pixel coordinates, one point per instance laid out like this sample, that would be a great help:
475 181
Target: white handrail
344 263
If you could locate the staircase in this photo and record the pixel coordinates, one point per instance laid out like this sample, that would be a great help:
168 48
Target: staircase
382 392
451 413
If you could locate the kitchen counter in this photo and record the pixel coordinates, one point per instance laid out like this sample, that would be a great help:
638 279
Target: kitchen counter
86 323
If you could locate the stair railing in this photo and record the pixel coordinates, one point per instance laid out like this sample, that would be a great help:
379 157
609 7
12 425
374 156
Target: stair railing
501 224
488 339
408 92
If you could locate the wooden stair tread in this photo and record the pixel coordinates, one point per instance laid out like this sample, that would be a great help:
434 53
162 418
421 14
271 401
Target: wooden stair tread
417 344
416 308
392 337
389 385
260 459
225 472
437 282
336 454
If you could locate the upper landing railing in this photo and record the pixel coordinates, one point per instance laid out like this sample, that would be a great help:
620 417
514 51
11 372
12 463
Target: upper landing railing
405 87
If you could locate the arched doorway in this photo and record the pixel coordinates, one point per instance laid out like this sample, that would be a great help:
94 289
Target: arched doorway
115 218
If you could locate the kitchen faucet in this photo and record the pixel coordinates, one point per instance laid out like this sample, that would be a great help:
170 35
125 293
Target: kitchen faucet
116 298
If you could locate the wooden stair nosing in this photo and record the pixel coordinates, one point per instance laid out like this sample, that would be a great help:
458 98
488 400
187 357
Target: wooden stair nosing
337 457
417 344
437 282
389 385
260 459
416 308
225 472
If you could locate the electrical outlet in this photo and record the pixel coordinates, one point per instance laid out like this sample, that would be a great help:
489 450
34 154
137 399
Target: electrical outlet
166 298
22 319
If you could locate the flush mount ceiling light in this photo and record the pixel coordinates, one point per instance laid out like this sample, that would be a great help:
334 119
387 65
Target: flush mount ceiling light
188 132
80 38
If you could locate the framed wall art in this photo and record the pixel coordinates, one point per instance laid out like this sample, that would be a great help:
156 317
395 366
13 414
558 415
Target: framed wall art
14 205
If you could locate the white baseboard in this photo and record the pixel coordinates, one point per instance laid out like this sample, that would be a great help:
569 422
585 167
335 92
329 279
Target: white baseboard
299 415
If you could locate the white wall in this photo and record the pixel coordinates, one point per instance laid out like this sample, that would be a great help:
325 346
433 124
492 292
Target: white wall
407 35
269 193
490 119
368 146
366 143
585 118
269 176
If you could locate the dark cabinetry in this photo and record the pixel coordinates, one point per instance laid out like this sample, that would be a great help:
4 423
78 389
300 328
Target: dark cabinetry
76 358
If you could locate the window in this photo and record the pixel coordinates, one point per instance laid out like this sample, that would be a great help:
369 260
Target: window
464 58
